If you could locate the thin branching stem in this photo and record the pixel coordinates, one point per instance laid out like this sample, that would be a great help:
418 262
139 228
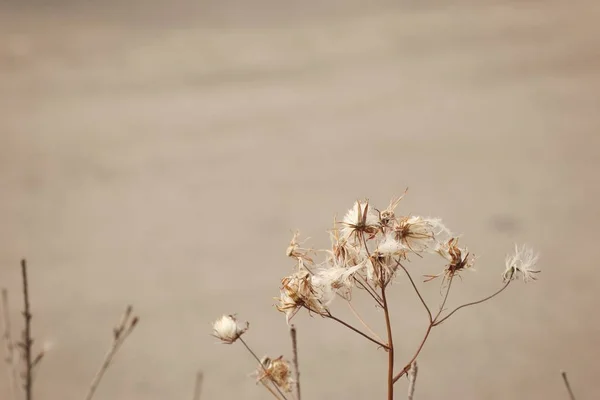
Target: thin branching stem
294 336
370 290
120 334
474 303
27 341
263 368
390 340
347 325
407 367
445 299
436 321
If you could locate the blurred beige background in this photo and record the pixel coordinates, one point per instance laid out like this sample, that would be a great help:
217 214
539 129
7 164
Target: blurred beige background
160 154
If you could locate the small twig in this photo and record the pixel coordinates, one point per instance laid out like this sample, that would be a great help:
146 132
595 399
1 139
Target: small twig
263 368
9 346
567 385
27 341
293 333
120 334
412 379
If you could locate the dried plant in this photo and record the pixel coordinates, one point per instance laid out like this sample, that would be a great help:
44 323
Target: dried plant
370 251
26 358
120 334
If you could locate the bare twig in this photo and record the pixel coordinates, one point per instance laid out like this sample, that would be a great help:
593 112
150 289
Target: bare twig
436 321
26 340
9 347
198 385
120 334
293 333
567 385
412 379
264 369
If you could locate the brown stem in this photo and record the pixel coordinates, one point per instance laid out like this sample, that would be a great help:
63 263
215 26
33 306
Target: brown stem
436 322
445 299
293 333
407 367
473 303
347 325
262 366
370 290
27 341
388 326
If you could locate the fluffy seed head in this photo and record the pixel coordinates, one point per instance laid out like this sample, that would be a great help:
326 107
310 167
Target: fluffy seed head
521 263
360 219
228 329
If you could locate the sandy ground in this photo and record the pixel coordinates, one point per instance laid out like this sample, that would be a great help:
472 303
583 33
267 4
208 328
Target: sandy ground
160 156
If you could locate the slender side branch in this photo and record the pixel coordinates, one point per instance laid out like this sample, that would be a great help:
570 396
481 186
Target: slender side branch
407 367
567 385
474 303
293 333
120 334
347 325
13 375
263 368
27 341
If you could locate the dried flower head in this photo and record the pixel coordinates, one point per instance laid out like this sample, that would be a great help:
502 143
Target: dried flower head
390 247
459 258
418 233
336 279
295 251
388 216
521 263
228 329
298 291
360 219
276 370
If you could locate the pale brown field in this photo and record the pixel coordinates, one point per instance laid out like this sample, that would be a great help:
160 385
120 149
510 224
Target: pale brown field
161 154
